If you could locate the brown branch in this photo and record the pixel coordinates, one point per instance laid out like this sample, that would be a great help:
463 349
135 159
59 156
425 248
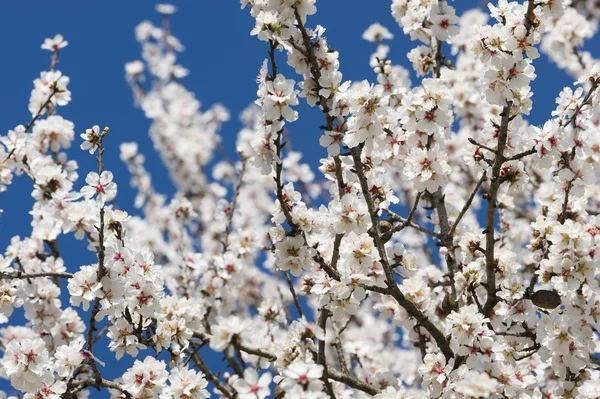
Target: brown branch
438 58
339 348
490 239
322 322
472 141
522 154
44 105
54 59
316 75
438 198
198 362
529 16
101 269
54 88
81 385
565 204
352 382
393 289
341 191
21 275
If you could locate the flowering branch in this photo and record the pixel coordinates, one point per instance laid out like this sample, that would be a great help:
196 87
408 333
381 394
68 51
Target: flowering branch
393 289
101 267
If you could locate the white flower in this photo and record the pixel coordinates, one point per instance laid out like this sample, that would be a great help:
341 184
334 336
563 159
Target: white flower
51 86
226 330
251 386
123 339
475 384
186 384
147 379
49 391
303 375
434 370
55 44
165 9
27 365
466 324
54 133
376 33
91 139
134 68
294 255
351 214
279 98
427 169
84 286
332 140
100 186
443 21
69 357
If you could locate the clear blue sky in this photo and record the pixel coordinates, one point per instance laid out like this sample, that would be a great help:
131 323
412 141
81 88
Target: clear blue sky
223 58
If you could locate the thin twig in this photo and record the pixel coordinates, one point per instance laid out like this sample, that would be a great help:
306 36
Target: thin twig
411 213
233 205
21 275
294 295
339 348
333 374
485 147
522 154
468 203
198 362
397 218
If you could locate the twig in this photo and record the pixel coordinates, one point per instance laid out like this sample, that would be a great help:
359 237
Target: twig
340 349
101 269
81 385
586 101
341 192
44 105
410 214
522 155
293 291
333 374
21 275
395 217
468 203
233 205
485 147
198 362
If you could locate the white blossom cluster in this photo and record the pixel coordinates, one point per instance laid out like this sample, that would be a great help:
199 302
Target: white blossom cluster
449 248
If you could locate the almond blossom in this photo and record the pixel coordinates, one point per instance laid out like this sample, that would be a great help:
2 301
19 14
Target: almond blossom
100 186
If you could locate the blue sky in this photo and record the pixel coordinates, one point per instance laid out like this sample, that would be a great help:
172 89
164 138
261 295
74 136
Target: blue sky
223 58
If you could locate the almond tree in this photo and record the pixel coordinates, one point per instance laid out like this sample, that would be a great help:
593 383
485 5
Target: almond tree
374 278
